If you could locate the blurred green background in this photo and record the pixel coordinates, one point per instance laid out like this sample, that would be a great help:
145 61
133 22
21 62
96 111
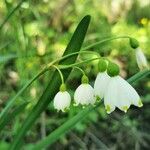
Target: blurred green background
38 33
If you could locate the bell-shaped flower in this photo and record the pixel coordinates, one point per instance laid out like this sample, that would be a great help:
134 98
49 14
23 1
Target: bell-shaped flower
100 85
119 93
141 59
84 94
62 99
102 80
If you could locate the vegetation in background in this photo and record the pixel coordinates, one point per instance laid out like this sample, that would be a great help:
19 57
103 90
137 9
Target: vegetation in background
34 33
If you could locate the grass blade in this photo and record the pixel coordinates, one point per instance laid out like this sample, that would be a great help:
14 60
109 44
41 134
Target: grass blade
54 83
5 45
52 137
139 76
11 101
11 13
6 58
12 115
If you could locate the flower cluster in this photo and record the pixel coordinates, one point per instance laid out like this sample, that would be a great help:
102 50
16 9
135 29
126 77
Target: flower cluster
108 85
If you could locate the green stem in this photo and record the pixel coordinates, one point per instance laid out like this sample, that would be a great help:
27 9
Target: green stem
69 55
60 73
54 83
6 109
84 50
11 13
11 101
105 40
139 76
77 64
63 128
81 70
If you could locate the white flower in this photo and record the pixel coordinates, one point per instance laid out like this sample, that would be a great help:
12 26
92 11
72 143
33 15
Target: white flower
100 85
84 95
120 94
141 59
62 100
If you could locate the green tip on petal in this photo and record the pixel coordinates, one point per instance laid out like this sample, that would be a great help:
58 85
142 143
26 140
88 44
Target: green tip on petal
134 43
102 65
65 110
75 104
140 104
62 88
83 107
108 109
97 98
125 108
85 79
113 69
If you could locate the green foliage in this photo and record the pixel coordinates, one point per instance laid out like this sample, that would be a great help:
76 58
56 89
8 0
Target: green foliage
35 33
53 86
10 116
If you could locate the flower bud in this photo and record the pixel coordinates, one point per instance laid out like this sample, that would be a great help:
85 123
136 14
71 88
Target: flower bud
134 43
113 69
102 65
141 59
62 88
85 79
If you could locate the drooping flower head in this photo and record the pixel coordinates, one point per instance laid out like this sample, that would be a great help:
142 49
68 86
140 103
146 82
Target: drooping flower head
119 92
84 94
133 43
102 80
62 99
140 57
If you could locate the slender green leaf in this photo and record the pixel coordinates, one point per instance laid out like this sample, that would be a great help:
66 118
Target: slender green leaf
11 13
64 128
6 58
139 76
54 83
4 45
55 135
4 112
10 116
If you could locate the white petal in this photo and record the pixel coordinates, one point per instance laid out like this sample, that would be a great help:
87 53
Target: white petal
84 95
141 59
122 102
101 83
111 95
128 93
62 100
